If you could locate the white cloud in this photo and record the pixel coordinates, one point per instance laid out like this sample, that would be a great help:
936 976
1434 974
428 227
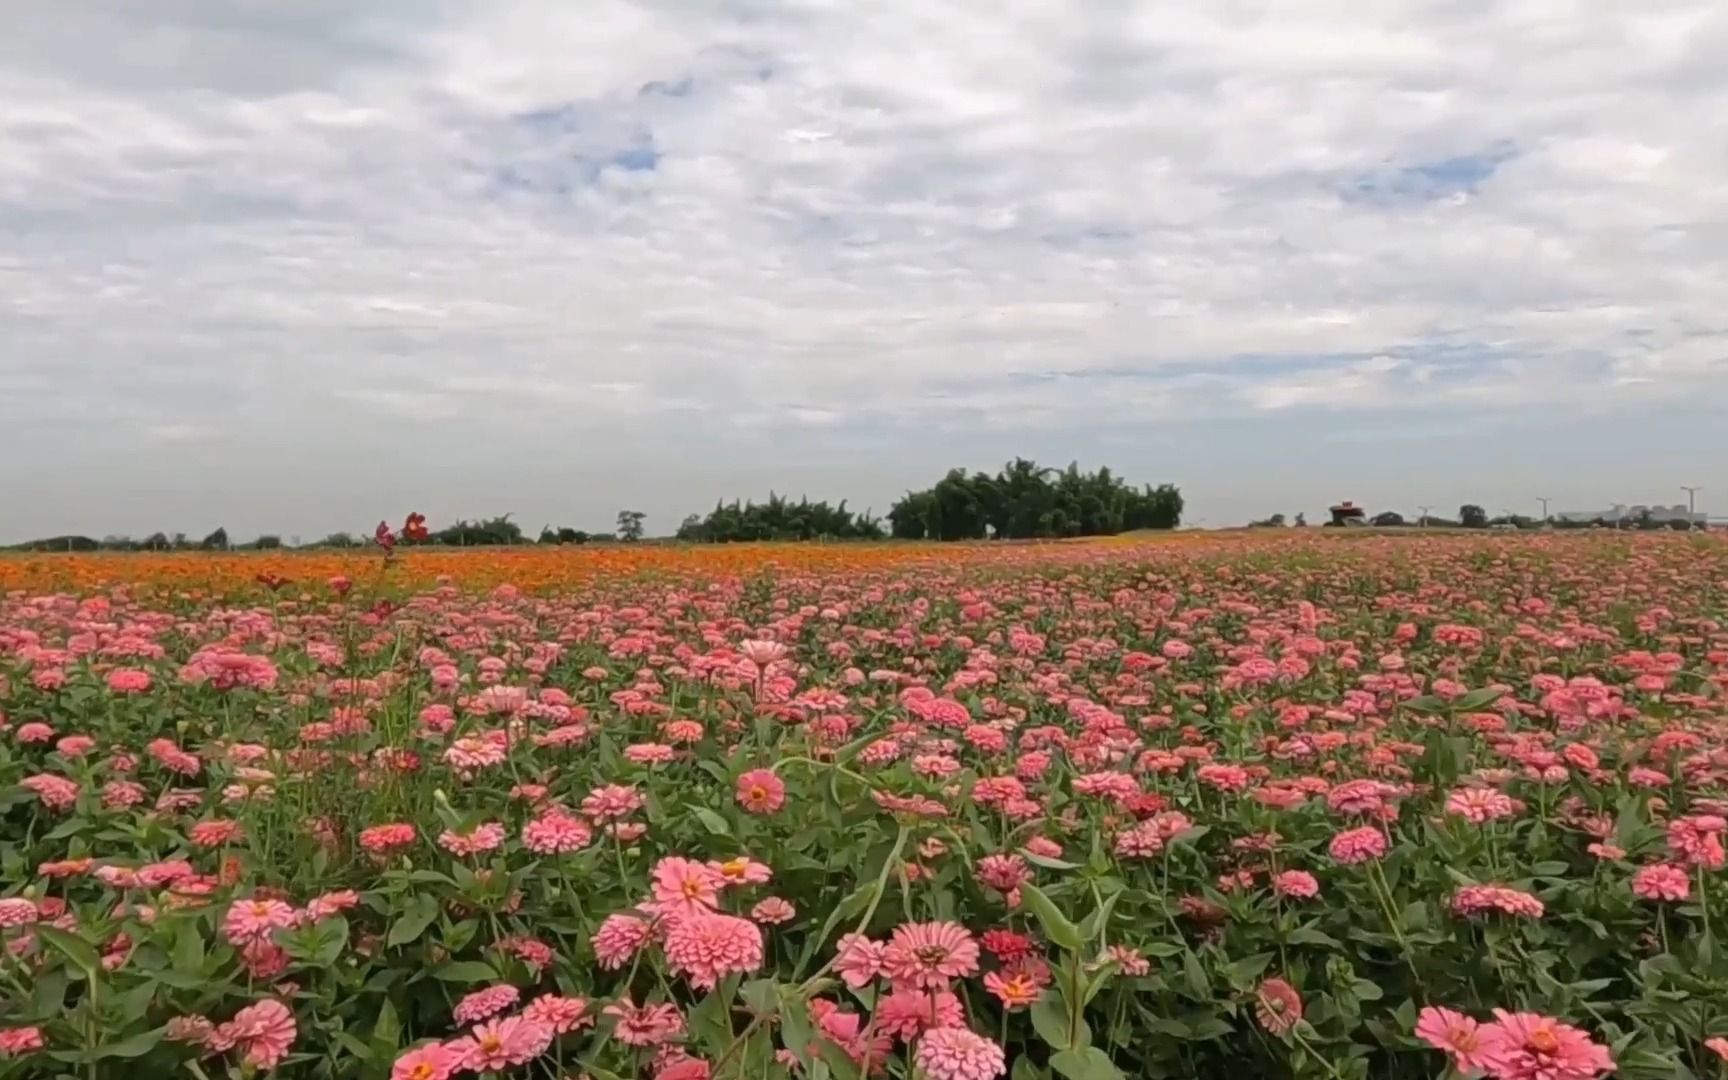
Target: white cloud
653 222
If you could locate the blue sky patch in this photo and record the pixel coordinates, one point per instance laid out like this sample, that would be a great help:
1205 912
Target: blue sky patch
1426 181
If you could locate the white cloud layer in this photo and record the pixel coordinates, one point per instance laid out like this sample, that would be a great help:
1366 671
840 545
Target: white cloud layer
294 266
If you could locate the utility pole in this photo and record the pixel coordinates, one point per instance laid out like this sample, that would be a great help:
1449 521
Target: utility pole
1544 500
1691 504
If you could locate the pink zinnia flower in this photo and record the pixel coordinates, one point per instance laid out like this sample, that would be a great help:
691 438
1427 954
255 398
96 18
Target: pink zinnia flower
708 946
621 937
684 887
487 836
925 956
499 1044
128 681
384 839
956 1053
645 1025
761 792
742 870
256 920
858 960
434 1061
20 1040
1296 883
907 1014
17 911
1536 1047
561 1014
1471 1045
1358 845
1277 1006
773 911
1661 881
483 1003
1479 805
262 1033
555 832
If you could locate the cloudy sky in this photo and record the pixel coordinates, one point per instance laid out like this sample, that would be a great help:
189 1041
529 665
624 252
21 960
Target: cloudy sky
294 267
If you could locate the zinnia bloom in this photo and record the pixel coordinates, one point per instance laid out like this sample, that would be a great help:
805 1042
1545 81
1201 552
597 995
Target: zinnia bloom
621 937
20 1040
1296 883
434 1061
499 1044
1661 881
957 1053
645 1025
1277 1006
255 920
1471 1045
561 1014
1358 845
925 956
685 887
858 960
761 792
555 832
1536 1047
907 1014
262 1033
708 946
483 1003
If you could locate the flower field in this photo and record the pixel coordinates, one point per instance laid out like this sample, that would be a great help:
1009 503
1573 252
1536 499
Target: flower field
1276 805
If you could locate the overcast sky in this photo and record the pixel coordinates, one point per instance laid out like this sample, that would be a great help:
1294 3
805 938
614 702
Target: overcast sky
293 267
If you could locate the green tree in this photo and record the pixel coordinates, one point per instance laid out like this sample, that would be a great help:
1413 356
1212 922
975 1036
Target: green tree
630 525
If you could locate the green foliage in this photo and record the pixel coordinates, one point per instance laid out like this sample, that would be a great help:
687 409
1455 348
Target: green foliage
1025 501
779 519
489 532
630 525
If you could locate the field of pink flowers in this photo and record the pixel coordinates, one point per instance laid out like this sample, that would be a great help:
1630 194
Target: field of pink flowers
1281 807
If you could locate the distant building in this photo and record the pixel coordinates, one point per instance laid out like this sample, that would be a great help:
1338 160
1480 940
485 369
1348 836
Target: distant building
1622 512
1348 513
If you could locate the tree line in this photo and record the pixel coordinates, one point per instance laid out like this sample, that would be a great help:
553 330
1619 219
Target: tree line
1022 501
1026 501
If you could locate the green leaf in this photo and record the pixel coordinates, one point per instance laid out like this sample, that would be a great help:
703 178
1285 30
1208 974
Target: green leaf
839 1065
711 821
50 991
466 971
74 948
795 1029
189 950
1050 1021
711 1022
1057 927
1088 1064
412 923
136 1046
1093 926
1477 699
1425 704
1194 972
1243 973
386 1032
1025 1070
1047 862
762 996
